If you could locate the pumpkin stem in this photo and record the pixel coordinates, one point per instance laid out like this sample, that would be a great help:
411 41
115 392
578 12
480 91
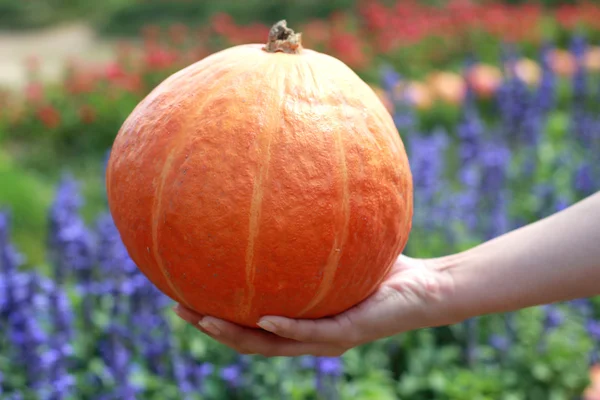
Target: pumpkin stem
283 39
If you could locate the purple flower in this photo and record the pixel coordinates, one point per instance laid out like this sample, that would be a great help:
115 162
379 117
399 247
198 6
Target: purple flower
470 132
10 261
427 165
115 264
546 195
554 317
71 243
546 94
495 158
10 258
232 375
578 49
205 369
403 115
499 342
531 131
467 200
308 362
389 78
584 180
331 366
561 204
19 297
513 99
181 372
593 328
583 306
198 373
472 333
117 358
327 371
427 161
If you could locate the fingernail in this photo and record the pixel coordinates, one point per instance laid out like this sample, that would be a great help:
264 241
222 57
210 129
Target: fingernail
267 325
177 309
209 327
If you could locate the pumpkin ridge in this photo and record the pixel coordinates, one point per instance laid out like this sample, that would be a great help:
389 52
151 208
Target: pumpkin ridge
157 205
311 68
333 260
257 199
156 211
386 147
349 112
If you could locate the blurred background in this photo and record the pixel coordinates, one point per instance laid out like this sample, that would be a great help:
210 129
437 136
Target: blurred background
497 102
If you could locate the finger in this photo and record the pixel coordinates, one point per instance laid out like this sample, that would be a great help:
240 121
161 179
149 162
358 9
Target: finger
186 314
324 330
353 327
255 341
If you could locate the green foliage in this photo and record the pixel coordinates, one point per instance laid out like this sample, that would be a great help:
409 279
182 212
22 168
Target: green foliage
28 197
130 17
30 14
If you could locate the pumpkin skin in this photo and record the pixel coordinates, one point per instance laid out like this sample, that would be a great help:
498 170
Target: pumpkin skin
262 182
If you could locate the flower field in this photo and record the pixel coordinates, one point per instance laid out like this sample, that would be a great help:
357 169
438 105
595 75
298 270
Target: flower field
498 106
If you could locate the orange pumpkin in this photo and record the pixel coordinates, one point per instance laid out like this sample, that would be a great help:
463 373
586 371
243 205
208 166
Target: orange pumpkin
263 179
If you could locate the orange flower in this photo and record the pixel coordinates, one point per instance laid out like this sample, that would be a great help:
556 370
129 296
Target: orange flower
383 96
562 62
484 79
592 392
528 71
592 59
419 94
448 86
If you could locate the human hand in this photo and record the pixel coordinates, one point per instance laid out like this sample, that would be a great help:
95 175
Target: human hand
412 296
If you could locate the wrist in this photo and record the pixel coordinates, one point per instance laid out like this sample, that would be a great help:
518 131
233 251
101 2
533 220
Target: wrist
460 299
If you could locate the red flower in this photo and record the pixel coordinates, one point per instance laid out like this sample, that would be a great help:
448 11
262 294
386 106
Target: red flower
87 113
315 33
114 71
222 24
375 15
49 116
178 33
151 33
348 48
131 83
34 92
157 58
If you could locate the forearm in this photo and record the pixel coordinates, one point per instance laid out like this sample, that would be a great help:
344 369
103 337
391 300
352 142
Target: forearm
554 259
